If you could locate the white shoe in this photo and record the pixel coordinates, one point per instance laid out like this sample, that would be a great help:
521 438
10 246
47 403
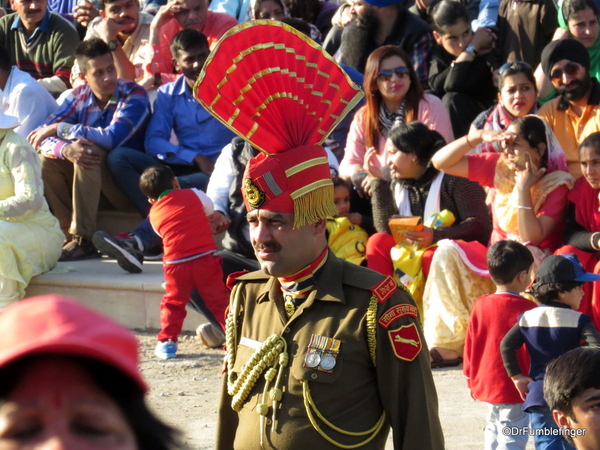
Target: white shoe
210 335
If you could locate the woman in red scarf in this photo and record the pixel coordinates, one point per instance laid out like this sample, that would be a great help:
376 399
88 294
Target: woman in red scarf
582 230
517 97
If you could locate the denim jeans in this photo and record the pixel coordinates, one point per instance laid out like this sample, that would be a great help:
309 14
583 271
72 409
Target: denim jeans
126 166
506 415
541 417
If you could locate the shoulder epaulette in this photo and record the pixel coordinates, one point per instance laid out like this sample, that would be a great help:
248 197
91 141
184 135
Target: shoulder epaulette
244 275
384 289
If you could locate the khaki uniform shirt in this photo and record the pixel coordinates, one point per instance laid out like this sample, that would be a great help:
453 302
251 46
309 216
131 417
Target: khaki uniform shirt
356 393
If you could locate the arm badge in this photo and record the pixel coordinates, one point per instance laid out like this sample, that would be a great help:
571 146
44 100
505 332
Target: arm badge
397 311
406 342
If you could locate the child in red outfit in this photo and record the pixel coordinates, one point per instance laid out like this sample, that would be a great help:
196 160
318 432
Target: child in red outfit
179 216
492 317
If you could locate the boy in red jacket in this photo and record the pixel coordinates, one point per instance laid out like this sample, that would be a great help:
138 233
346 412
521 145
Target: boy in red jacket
179 216
492 317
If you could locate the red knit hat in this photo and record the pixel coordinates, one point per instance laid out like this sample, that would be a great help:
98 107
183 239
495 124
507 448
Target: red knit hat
281 92
59 325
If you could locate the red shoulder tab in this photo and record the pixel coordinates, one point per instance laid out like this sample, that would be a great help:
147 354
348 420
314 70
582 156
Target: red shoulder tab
232 278
397 311
384 289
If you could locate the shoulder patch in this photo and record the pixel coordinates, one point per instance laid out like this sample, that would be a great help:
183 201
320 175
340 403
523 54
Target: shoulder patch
406 342
397 311
384 289
233 277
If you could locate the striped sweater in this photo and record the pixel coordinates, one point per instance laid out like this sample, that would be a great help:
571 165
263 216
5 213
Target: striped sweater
48 55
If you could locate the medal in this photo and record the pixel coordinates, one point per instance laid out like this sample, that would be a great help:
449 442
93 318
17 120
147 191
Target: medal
327 362
322 353
312 360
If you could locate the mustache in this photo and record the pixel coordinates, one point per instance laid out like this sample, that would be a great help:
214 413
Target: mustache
126 18
269 246
574 83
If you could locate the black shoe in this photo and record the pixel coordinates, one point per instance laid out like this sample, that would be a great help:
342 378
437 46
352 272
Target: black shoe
77 249
125 251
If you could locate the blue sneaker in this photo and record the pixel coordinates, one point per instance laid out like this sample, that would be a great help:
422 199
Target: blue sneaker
166 349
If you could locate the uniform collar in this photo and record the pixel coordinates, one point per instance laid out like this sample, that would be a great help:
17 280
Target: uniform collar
325 289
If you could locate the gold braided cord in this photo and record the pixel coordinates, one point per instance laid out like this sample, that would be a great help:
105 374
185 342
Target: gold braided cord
265 356
310 407
231 332
372 329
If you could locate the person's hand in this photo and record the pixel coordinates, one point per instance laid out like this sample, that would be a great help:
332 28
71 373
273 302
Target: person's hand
366 185
204 164
219 222
85 12
355 218
108 29
527 177
147 82
483 40
82 152
371 164
357 182
36 137
522 384
492 135
165 13
422 238
559 34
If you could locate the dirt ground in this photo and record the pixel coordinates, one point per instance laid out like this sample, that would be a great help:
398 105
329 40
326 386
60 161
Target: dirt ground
184 392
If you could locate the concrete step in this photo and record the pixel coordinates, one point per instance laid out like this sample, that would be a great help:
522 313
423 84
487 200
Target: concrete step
131 299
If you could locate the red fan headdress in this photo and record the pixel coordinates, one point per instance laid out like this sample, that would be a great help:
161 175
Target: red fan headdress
281 92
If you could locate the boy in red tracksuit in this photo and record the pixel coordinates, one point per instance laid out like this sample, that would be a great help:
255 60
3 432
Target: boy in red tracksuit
492 317
179 216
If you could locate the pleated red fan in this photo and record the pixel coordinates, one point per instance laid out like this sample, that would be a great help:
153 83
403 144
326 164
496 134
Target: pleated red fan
275 87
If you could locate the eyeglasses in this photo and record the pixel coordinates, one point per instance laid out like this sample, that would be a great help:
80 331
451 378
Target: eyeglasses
570 69
386 74
514 65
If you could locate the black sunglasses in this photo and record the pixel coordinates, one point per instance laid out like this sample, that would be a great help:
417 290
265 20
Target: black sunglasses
513 65
570 69
386 74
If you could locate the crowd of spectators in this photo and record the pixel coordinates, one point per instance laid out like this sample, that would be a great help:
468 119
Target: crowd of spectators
481 118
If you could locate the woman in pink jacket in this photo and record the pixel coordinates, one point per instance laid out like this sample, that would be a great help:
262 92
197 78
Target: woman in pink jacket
394 95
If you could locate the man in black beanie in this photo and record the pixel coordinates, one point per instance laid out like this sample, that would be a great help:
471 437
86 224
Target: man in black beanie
575 113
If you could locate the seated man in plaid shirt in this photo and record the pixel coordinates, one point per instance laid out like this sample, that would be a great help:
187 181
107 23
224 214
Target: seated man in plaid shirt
104 114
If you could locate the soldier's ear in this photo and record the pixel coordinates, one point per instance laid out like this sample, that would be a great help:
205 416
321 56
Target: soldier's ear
320 227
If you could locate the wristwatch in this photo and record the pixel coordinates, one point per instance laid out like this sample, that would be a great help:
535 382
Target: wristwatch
113 44
471 49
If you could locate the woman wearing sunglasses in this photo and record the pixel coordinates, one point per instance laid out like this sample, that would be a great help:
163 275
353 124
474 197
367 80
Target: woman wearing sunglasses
528 185
517 97
394 95
577 19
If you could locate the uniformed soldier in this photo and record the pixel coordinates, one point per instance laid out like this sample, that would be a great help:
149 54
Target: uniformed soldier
321 354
